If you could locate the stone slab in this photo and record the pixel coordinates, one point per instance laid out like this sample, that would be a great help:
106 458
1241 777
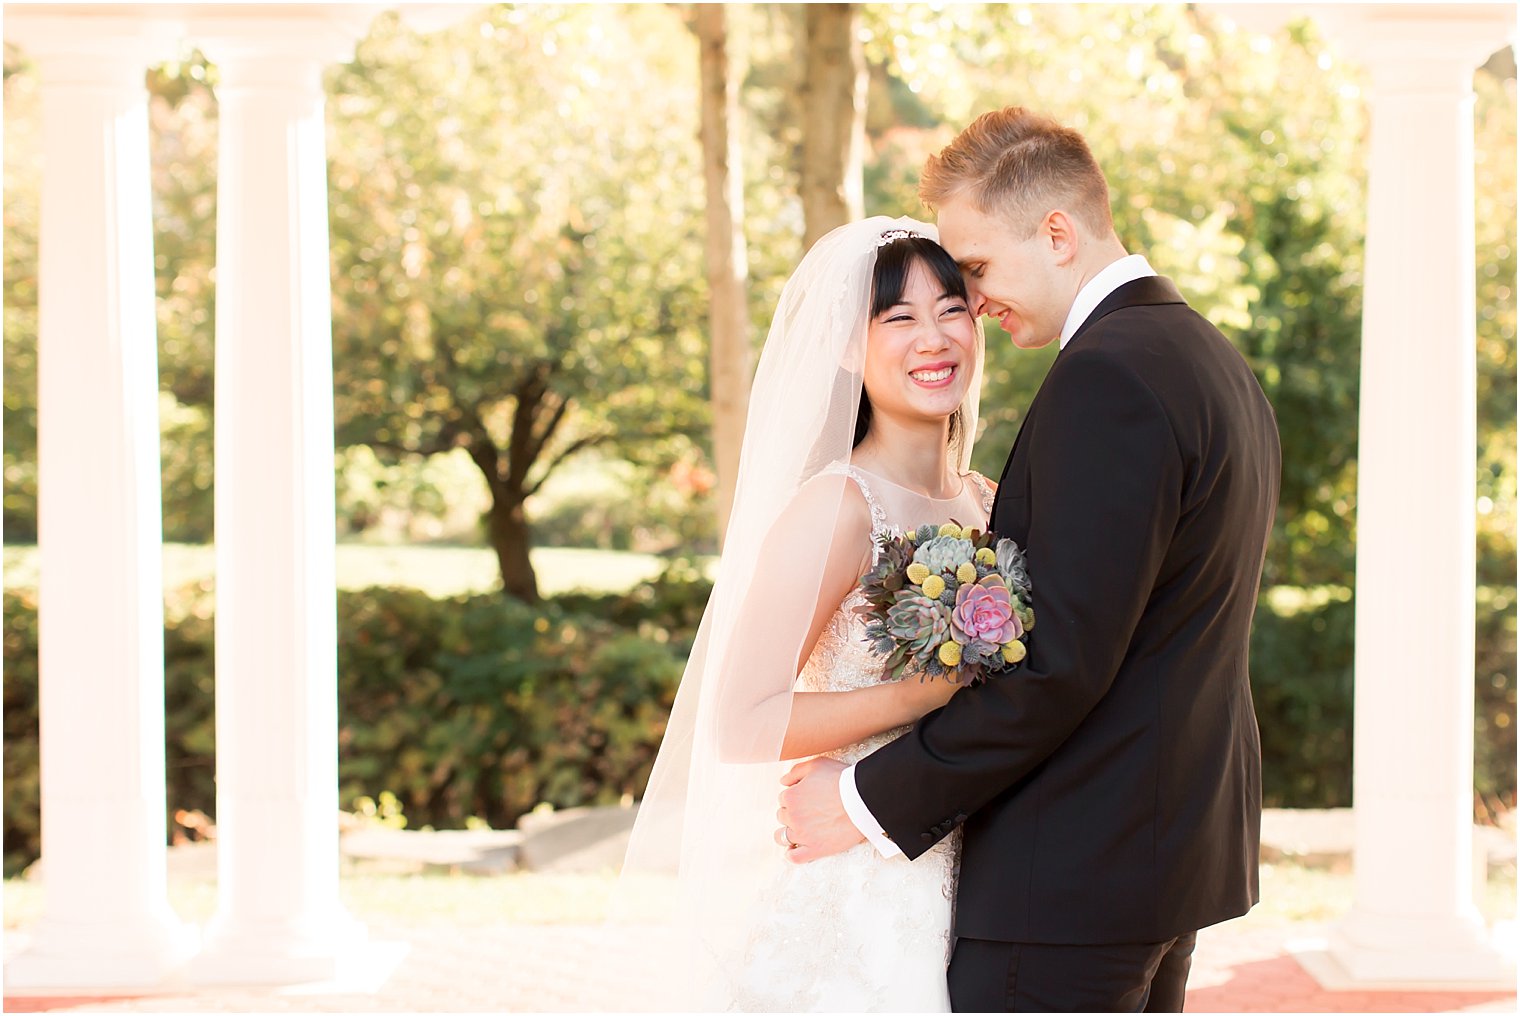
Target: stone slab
576 839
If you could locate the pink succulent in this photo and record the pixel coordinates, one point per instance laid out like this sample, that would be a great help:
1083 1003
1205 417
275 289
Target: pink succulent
984 611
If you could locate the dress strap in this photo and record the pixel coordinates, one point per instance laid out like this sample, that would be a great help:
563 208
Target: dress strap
988 494
878 513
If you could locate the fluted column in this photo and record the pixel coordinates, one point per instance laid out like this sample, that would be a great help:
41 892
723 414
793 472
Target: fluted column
279 918
1414 917
106 919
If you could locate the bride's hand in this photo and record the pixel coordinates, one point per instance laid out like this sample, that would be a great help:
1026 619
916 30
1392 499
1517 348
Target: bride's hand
926 694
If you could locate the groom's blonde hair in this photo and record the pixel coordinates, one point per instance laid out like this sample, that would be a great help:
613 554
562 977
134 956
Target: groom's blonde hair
1022 165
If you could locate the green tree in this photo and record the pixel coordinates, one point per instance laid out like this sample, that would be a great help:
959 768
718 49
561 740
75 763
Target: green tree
517 246
1235 164
1495 150
831 101
1233 167
182 136
730 354
182 113
23 178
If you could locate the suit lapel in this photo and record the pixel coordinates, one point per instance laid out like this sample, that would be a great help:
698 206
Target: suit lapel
1151 291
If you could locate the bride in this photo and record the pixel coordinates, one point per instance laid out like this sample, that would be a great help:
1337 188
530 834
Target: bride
861 419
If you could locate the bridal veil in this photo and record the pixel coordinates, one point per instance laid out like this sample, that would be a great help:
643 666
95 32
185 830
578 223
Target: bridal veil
703 837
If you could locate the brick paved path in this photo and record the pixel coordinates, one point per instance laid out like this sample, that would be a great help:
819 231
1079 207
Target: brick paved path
1245 966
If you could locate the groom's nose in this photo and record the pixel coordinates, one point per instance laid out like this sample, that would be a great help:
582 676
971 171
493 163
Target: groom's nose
977 301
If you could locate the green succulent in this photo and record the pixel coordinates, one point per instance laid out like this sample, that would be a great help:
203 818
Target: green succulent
1011 565
918 624
943 554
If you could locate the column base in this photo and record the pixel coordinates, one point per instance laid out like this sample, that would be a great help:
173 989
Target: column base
77 954
1370 950
281 952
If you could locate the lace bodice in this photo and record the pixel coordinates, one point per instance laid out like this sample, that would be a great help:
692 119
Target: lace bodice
857 931
842 659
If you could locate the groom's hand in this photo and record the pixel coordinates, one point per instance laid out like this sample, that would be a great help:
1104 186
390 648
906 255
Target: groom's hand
812 814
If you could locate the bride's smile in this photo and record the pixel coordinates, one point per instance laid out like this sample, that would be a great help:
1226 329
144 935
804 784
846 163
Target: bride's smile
933 376
917 350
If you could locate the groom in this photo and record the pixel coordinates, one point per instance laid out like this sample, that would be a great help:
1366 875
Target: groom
1109 789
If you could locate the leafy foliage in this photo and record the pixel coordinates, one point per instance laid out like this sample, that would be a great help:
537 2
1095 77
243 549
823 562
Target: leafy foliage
514 277
23 797
1235 164
516 232
483 707
23 176
467 708
477 707
1301 681
182 124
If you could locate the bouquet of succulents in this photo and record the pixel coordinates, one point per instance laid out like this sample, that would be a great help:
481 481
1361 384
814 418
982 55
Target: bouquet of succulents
951 602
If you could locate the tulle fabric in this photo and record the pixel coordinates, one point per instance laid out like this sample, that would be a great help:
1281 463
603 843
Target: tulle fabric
703 841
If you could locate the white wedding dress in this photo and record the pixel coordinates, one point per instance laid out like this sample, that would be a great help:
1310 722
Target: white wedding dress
856 931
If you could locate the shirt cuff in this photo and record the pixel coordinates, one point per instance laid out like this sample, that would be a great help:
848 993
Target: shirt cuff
861 816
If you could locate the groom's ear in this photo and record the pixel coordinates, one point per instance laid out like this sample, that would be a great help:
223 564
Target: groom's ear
1059 231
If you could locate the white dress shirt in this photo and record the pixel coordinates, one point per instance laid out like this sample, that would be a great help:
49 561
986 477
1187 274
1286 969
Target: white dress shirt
1126 269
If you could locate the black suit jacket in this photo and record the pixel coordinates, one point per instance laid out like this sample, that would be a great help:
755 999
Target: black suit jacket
1110 788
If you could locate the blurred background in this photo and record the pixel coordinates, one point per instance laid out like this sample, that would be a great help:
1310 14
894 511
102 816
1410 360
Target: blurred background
528 483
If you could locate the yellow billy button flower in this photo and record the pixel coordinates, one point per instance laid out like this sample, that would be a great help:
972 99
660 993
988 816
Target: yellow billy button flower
917 573
950 654
985 556
1013 652
952 530
933 586
965 573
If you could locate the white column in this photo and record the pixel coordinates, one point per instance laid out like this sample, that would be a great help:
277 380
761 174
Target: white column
106 920
279 919
1414 918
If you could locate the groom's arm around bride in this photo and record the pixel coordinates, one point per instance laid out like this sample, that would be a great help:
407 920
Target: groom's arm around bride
1109 789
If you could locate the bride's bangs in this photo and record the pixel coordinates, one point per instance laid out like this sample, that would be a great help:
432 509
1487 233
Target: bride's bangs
894 262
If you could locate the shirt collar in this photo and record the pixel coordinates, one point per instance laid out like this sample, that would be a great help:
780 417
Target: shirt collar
1126 269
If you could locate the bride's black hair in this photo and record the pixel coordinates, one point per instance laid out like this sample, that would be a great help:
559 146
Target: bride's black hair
894 262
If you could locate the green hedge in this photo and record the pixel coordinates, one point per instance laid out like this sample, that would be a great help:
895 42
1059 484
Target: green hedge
481 707
1301 670
21 790
1301 680
473 706
1494 735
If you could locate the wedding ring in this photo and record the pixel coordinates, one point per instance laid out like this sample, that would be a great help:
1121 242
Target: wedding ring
786 834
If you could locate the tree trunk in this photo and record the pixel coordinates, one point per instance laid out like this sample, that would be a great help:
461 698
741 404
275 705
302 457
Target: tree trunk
727 263
834 120
510 539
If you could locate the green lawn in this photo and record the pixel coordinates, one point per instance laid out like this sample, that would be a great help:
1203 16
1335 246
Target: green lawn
438 571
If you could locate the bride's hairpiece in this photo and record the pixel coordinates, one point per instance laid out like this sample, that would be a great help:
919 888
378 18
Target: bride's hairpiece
894 234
